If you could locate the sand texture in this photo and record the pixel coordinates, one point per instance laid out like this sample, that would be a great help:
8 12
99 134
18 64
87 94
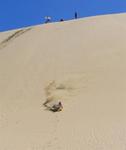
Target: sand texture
81 63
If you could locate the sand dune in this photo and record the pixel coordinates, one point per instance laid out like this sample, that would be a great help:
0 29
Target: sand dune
81 63
6 41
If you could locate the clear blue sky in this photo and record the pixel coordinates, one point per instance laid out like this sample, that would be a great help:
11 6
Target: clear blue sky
20 13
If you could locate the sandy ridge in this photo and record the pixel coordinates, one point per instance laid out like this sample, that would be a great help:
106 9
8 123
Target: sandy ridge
9 39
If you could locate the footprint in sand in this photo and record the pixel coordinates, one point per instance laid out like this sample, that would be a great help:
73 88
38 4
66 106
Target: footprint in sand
3 120
52 144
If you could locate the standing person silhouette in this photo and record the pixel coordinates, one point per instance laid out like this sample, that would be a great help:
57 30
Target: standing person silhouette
76 15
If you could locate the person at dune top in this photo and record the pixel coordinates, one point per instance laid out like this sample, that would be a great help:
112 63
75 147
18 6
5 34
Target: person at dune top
61 19
47 19
75 15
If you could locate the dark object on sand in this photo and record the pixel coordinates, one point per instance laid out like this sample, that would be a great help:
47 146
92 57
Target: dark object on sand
56 107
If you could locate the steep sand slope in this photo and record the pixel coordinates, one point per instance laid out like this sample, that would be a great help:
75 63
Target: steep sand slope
82 63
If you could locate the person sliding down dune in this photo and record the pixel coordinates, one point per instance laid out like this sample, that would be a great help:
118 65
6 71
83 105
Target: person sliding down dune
56 107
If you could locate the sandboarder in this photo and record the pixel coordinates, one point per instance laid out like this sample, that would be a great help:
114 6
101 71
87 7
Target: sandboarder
57 107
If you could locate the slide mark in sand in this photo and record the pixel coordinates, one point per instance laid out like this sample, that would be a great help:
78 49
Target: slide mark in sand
53 142
62 90
16 34
55 91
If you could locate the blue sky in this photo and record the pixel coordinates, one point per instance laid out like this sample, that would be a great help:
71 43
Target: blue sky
21 13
